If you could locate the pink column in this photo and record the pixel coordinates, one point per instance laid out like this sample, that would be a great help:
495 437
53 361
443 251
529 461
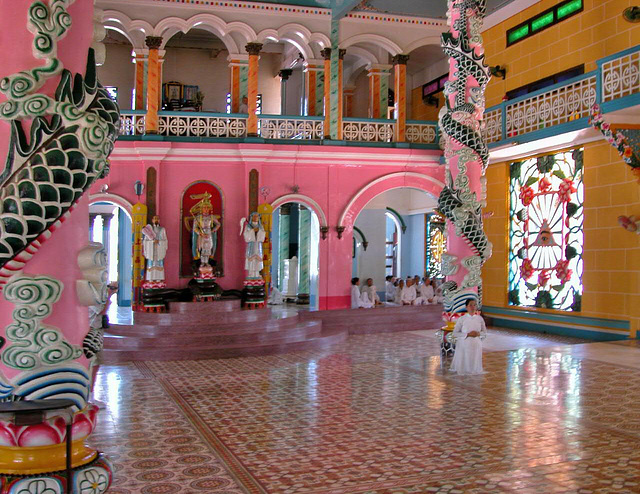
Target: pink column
467 156
44 294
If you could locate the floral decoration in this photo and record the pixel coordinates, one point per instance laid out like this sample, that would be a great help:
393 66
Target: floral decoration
617 139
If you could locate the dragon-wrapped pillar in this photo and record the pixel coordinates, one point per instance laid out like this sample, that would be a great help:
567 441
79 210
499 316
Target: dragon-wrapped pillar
466 155
57 129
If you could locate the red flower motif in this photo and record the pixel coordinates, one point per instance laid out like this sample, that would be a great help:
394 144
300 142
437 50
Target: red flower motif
544 277
562 271
565 190
544 184
526 195
526 270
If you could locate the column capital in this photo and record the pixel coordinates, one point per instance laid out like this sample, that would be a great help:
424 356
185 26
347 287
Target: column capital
238 59
285 74
313 64
253 48
326 53
400 59
382 69
153 42
341 53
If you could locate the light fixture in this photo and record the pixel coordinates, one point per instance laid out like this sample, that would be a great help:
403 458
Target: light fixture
631 14
498 71
431 100
138 188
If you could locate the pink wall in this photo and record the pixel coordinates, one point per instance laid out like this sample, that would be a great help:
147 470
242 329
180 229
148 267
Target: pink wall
330 175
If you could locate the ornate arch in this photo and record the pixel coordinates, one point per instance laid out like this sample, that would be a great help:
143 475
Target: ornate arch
429 40
209 22
307 201
113 199
134 30
375 39
397 180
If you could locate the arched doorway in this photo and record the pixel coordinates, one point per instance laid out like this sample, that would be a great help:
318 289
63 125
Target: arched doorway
395 227
110 225
295 259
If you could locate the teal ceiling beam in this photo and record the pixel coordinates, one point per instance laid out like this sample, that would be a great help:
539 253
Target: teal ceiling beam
340 8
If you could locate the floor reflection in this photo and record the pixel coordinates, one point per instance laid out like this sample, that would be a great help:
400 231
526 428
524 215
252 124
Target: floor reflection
379 414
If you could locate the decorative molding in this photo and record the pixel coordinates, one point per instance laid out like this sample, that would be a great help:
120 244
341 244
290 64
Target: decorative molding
384 178
395 19
307 201
33 344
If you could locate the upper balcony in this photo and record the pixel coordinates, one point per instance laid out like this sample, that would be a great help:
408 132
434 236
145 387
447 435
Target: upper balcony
559 109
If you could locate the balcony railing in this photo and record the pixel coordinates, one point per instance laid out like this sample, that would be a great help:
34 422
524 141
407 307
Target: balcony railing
615 84
186 124
283 127
617 76
368 129
421 132
620 75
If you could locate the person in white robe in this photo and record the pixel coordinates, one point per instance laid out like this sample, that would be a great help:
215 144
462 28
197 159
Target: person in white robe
411 296
275 296
467 359
398 295
371 291
389 289
427 292
359 300
254 235
154 249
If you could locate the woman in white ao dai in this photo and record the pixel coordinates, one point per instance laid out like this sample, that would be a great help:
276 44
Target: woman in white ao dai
468 355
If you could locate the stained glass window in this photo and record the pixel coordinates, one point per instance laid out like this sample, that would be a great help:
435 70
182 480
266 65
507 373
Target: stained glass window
436 244
546 234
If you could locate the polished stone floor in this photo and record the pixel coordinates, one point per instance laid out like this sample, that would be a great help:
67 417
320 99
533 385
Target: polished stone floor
379 414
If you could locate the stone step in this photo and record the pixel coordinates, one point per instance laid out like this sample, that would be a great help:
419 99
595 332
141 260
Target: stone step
204 340
150 330
200 317
209 308
322 341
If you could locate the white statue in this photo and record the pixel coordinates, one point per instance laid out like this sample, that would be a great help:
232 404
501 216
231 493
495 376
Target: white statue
254 235
154 249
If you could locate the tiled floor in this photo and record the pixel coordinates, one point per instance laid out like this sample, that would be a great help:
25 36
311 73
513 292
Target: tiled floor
379 414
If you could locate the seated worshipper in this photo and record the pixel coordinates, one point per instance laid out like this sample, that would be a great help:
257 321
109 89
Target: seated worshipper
427 292
408 294
370 290
389 289
416 282
358 300
467 359
275 296
397 299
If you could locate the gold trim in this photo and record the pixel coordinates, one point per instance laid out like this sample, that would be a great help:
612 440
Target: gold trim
41 459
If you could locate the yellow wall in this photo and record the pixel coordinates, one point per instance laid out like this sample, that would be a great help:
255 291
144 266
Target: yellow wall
420 111
611 275
596 32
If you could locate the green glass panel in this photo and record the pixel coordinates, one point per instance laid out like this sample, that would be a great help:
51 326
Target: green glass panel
542 21
518 34
569 8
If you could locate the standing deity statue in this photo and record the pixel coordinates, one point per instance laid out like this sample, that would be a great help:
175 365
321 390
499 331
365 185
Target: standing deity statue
154 250
204 236
254 235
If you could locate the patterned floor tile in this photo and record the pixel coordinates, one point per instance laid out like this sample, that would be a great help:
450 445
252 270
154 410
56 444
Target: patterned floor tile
380 414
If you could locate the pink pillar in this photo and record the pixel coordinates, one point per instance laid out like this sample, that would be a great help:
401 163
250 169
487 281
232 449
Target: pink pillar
39 304
467 157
